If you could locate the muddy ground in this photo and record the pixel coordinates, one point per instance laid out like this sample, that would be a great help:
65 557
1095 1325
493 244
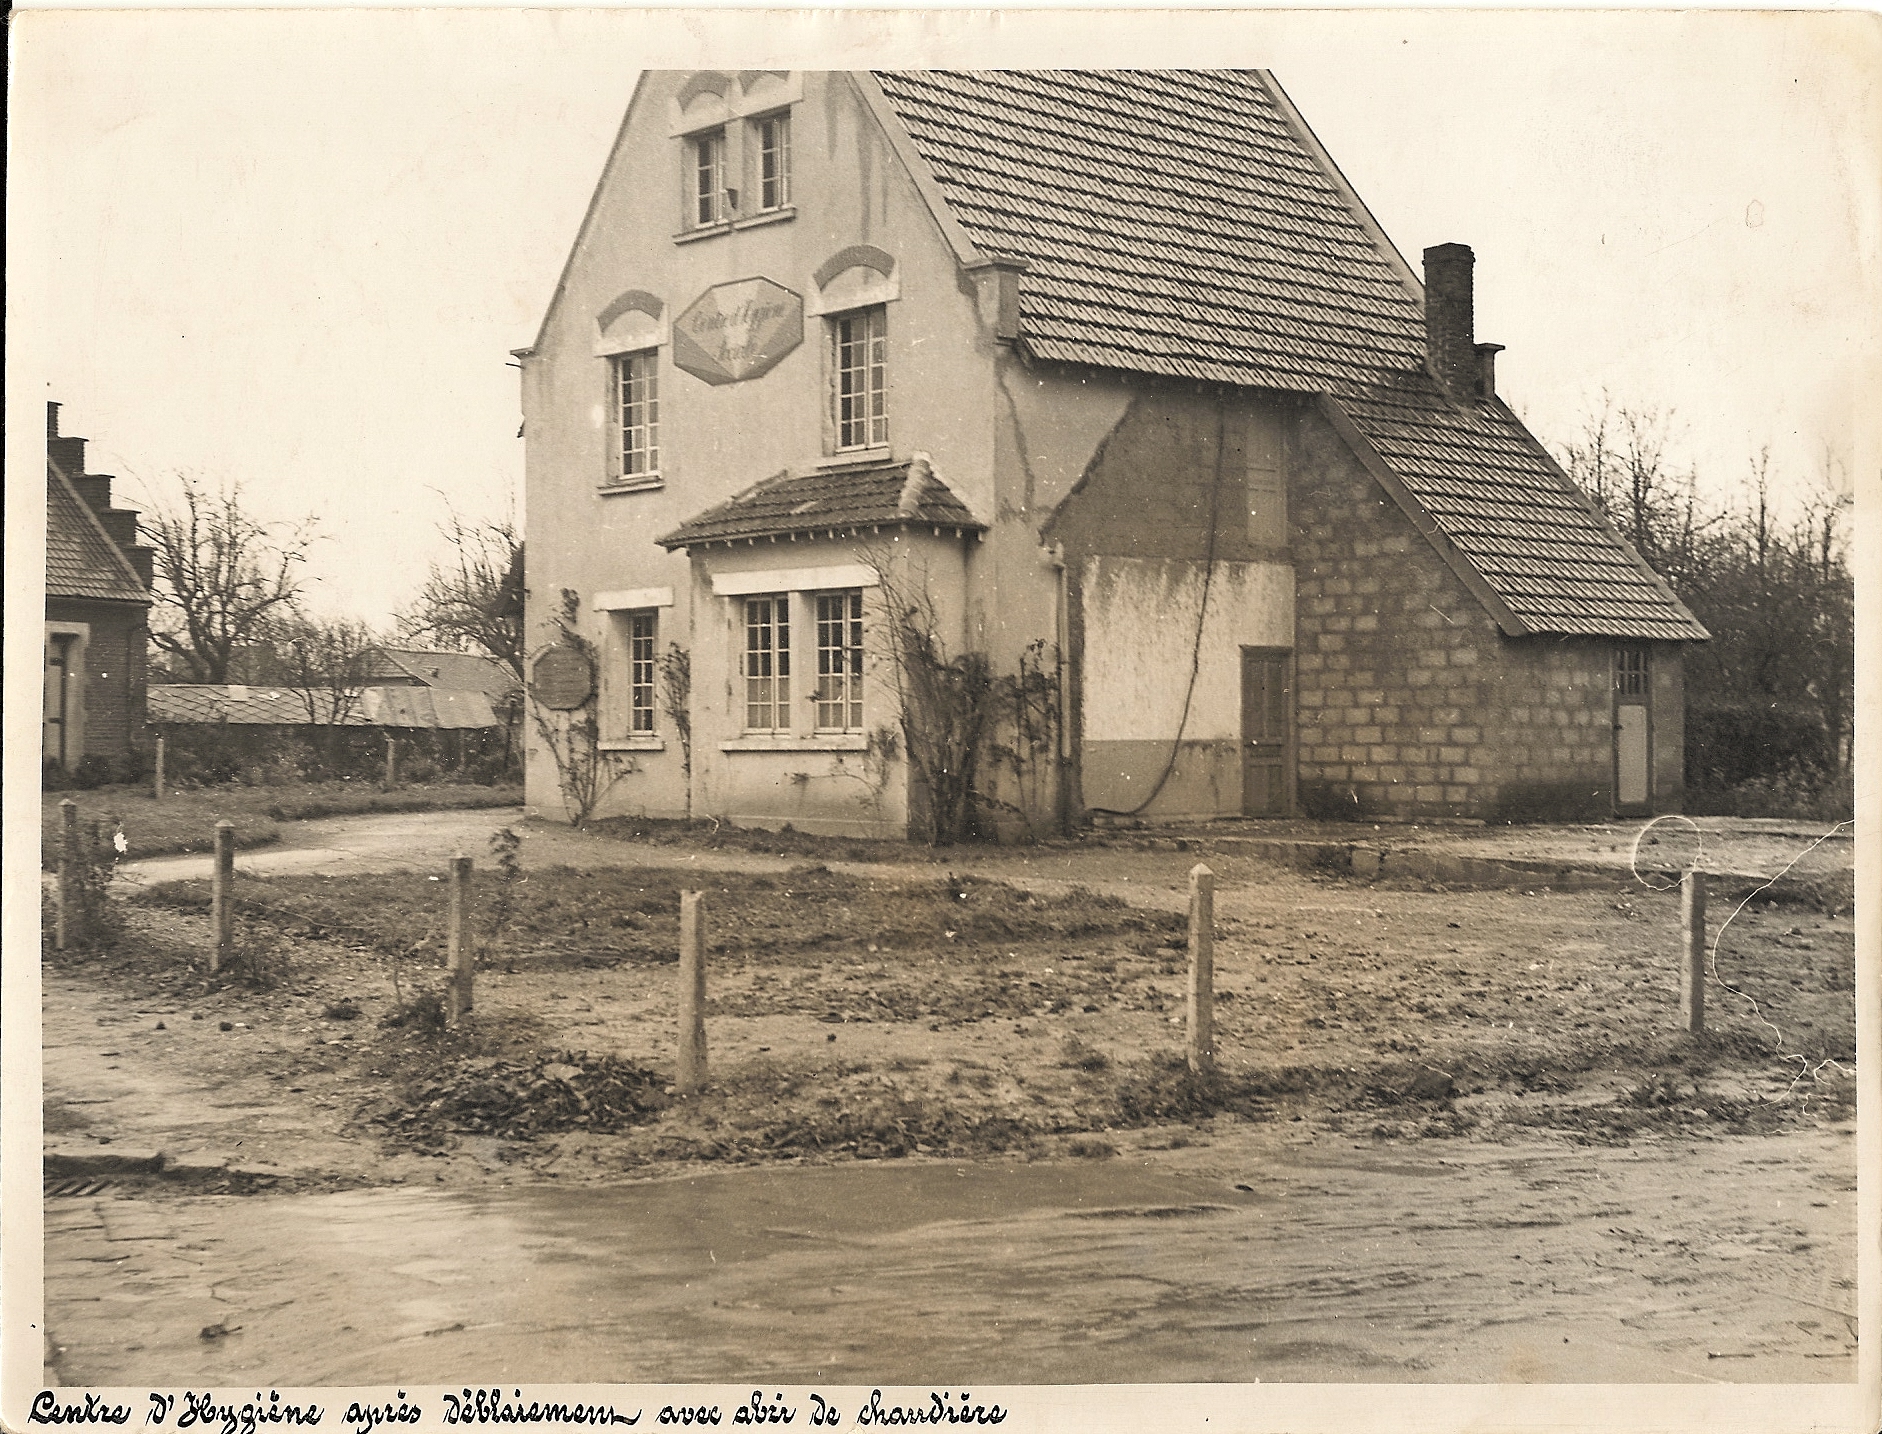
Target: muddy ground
904 1014
1456 1135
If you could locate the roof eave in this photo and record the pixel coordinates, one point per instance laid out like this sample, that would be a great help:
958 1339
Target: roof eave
1593 509
965 251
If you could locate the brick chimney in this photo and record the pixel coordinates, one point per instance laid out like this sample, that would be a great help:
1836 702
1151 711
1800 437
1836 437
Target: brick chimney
1450 320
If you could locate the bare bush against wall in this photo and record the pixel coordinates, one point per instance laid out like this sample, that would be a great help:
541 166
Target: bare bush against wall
585 773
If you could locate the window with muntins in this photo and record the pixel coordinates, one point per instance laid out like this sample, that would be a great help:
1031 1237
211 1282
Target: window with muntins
840 661
708 187
862 419
774 161
640 668
768 663
637 412
1630 672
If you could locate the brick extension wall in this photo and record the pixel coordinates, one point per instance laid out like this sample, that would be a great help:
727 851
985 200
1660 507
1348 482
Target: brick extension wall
1410 702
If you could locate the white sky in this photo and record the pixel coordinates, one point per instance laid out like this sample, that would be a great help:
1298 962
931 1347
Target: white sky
296 247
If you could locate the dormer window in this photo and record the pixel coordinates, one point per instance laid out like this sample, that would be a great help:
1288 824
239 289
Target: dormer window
773 134
708 151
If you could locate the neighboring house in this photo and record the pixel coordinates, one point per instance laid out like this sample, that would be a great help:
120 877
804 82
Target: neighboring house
97 608
1117 370
428 667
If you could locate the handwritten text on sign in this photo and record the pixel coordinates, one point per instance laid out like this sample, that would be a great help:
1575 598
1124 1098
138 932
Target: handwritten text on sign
738 331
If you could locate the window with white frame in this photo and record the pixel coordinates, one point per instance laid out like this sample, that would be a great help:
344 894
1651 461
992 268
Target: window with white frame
642 630
768 663
773 134
708 177
637 414
840 661
860 362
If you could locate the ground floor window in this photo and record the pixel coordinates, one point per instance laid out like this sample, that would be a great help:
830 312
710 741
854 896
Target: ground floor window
768 663
840 661
640 662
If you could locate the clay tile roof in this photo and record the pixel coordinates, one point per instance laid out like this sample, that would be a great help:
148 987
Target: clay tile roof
81 559
1182 223
841 500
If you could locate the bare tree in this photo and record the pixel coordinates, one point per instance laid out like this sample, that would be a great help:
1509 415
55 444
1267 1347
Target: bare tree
327 664
473 601
224 579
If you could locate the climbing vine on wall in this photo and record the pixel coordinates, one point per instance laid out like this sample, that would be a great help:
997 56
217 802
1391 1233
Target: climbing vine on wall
571 735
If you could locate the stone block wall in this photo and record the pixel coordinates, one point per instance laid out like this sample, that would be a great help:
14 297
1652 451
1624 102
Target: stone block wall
1409 700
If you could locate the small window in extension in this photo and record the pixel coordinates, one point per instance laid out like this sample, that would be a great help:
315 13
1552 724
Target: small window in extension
1630 672
774 161
768 663
840 661
640 662
708 177
637 412
862 419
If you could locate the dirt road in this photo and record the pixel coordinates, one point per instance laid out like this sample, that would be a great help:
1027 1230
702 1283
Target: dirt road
1255 1258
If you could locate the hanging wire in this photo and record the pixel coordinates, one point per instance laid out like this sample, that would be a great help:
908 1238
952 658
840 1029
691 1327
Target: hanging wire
1805 1069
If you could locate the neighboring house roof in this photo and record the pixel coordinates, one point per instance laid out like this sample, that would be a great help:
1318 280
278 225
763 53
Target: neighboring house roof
887 495
237 705
81 559
462 671
1187 224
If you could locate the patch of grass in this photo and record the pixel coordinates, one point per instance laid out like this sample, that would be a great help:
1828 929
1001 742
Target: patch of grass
713 835
185 821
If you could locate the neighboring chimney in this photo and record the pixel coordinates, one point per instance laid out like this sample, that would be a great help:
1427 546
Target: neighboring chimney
1486 369
1450 320
52 420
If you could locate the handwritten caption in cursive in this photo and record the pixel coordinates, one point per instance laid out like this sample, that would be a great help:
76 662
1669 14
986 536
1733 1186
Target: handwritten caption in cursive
267 1414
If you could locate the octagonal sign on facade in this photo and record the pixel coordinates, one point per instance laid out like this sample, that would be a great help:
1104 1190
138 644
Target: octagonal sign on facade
737 331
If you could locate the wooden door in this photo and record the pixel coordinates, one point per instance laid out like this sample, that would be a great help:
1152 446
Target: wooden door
56 718
1267 713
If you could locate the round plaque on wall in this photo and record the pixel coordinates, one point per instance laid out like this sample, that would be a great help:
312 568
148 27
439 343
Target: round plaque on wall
562 678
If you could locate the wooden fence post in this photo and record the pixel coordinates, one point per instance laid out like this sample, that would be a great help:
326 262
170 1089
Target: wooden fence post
222 897
462 944
392 761
65 928
158 788
1201 969
692 1058
1692 952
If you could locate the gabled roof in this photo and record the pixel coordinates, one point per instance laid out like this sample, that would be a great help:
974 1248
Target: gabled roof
464 671
845 500
81 559
1187 224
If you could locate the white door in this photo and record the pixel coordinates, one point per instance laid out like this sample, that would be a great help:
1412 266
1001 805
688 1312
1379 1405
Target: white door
1630 755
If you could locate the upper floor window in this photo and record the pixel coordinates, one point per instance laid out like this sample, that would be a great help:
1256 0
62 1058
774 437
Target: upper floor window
768 663
861 373
708 188
637 412
840 661
774 161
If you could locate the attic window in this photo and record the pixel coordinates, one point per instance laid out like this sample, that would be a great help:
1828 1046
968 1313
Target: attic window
708 173
860 371
773 134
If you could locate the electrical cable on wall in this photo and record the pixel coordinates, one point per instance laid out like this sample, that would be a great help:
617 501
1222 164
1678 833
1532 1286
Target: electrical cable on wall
1202 619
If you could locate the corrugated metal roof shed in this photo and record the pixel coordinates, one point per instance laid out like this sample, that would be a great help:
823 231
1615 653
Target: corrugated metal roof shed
427 708
1181 223
457 671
